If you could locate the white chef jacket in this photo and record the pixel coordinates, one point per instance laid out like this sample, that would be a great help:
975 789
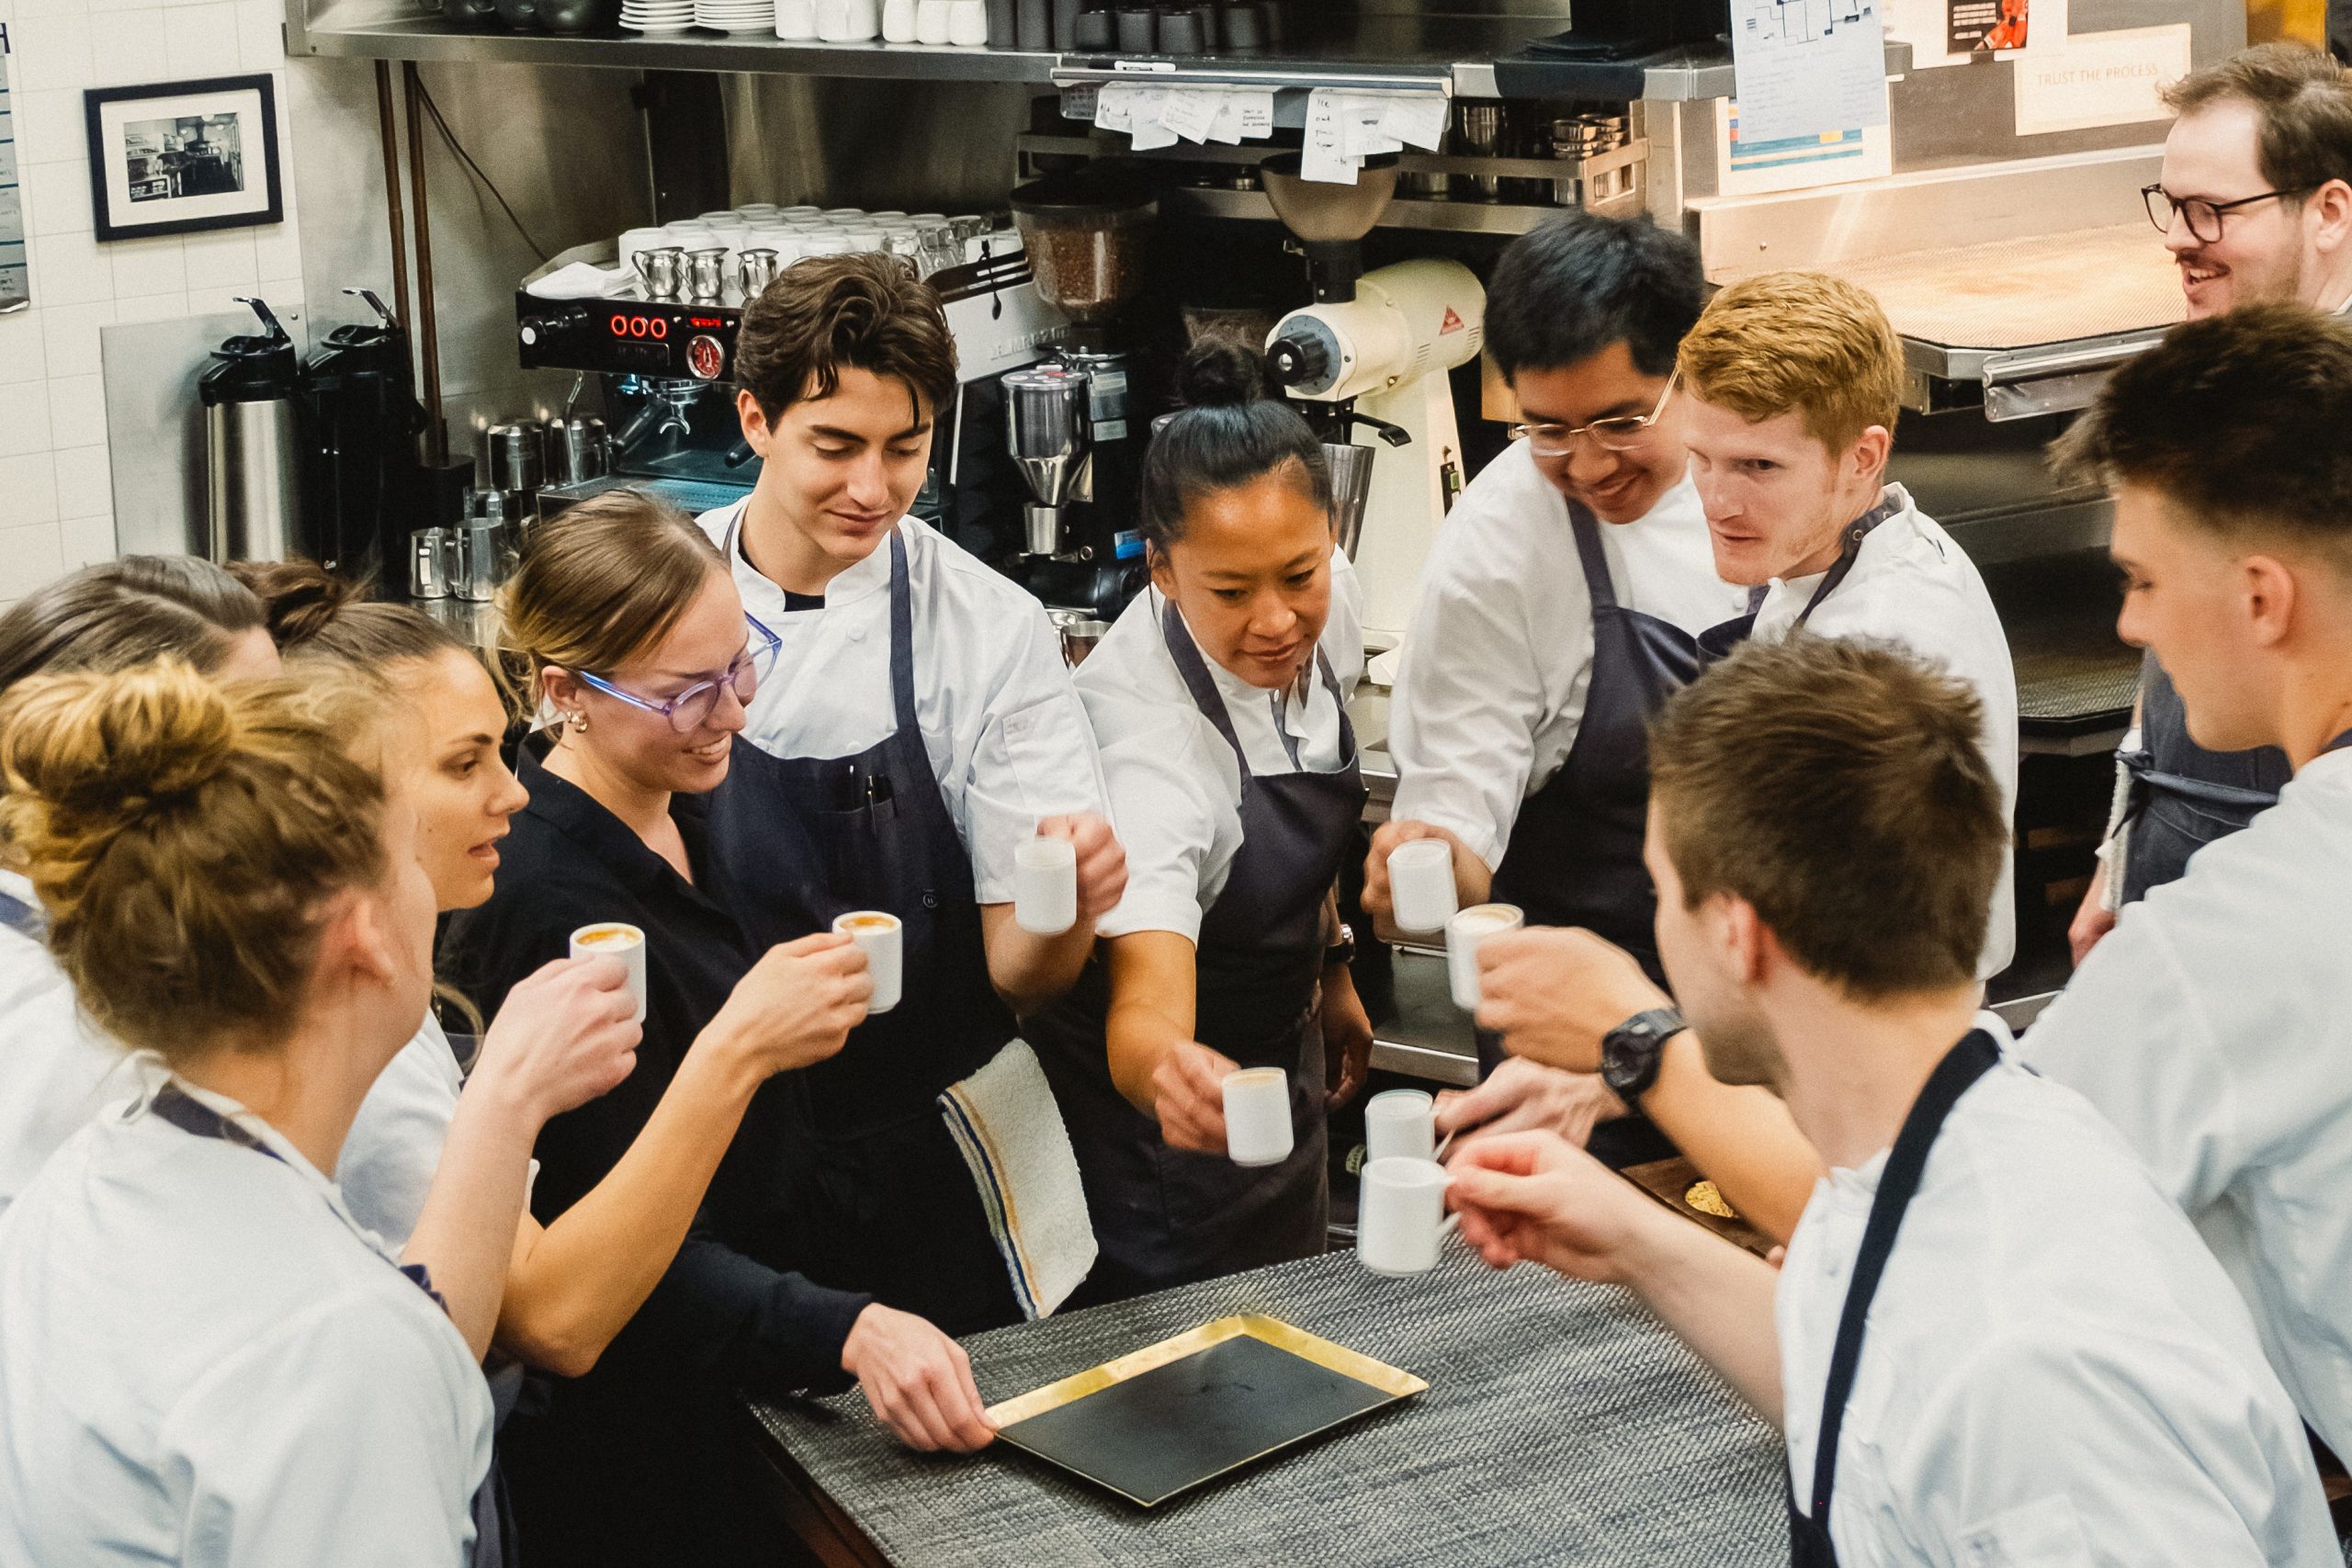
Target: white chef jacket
56 1068
1912 586
1498 656
2056 1373
387 1160
1006 734
204 1361
2213 1027
1175 788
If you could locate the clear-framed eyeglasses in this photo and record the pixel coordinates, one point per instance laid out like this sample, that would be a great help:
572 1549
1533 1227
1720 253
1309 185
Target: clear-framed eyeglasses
2202 215
691 709
1621 434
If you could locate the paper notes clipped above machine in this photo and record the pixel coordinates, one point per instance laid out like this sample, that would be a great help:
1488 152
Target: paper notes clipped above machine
1345 128
1158 115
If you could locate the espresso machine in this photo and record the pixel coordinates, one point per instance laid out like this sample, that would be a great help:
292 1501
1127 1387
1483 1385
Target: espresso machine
1070 426
1372 352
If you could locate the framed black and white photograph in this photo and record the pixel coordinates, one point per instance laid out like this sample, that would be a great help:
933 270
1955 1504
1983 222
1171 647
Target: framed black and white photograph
179 157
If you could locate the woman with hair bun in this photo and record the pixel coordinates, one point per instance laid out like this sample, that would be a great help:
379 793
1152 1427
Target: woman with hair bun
1217 701
204 1358
55 1072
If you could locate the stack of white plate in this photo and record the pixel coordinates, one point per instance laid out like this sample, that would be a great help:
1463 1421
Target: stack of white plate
658 16
735 16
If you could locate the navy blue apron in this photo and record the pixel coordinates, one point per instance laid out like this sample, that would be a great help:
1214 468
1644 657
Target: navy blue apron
872 1194
2182 795
26 920
495 1537
1809 1542
1575 856
1166 1216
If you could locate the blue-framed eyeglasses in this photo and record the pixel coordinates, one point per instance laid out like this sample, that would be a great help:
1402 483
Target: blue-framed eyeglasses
691 709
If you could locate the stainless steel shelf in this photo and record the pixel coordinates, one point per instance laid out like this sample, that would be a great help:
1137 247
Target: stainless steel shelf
610 48
1452 53
1456 217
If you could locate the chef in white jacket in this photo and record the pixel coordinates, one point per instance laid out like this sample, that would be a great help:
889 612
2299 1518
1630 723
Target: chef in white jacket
58 1070
1993 1340
2208 1026
920 727
204 1359
1794 382
1564 598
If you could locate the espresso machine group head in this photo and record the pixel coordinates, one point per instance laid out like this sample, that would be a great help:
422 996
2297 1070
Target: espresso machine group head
1373 350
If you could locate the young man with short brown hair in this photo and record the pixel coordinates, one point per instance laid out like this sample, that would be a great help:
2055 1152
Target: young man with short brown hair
2209 1026
1992 1340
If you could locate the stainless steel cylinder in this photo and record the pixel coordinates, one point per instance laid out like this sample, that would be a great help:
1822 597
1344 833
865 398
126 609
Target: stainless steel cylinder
1351 489
706 273
1041 528
253 481
759 270
517 457
664 270
428 575
482 555
578 449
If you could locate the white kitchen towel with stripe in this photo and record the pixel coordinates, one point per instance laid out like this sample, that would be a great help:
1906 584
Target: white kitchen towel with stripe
1009 1129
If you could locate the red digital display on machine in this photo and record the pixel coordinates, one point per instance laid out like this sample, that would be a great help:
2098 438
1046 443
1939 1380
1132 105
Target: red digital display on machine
655 327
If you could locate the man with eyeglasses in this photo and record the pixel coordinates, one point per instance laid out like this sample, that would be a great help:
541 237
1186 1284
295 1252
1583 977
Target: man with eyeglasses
1562 599
1792 382
2255 205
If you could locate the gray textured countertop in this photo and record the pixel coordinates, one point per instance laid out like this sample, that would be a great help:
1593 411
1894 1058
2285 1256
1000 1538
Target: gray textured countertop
1563 1424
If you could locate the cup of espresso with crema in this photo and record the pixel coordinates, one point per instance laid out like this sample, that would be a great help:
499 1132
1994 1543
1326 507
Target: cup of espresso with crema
1463 935
612 938
879 936
1257 1116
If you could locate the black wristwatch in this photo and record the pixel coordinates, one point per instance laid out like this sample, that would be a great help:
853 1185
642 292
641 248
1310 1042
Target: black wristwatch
1343 951
1629 1052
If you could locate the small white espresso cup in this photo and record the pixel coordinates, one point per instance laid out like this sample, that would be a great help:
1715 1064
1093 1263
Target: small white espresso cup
1463 935
1401 1216
1257 1116
1045 886
1399 1123
613 938
1420 884
879 936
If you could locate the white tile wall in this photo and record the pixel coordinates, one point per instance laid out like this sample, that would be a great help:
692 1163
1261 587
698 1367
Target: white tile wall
56 508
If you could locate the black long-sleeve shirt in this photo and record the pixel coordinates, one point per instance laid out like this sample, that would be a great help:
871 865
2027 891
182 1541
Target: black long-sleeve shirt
632 1458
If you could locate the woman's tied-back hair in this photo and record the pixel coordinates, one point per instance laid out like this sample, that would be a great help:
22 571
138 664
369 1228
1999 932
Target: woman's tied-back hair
1228 434
603 582
187 840
314 612
118 614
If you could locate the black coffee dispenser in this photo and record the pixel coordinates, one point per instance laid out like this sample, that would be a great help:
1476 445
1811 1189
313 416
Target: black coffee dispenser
363 488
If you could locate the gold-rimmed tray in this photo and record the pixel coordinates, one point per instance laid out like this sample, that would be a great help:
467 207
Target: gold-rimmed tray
1174 1415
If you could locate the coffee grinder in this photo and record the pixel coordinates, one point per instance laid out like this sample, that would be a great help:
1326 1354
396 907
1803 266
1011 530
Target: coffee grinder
1373 350
1066 419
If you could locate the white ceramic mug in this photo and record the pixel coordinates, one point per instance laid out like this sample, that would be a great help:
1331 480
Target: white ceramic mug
796 19
879 936
1400 1216
897 21
1045 886
1420 884
615 938
1399 1123
968 23
1257 1116
931 21
848 21
1463 935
